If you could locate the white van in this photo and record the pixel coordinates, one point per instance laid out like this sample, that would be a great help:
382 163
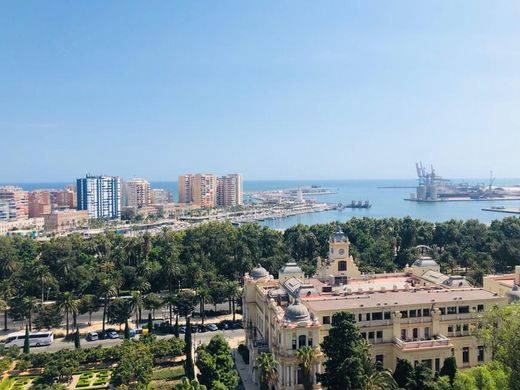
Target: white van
37 339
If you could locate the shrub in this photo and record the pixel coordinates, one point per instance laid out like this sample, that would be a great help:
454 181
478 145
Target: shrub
244 352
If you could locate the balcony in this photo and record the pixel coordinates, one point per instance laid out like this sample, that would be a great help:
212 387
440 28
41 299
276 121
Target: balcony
436 342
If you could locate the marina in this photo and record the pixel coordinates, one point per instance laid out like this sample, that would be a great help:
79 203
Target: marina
500 209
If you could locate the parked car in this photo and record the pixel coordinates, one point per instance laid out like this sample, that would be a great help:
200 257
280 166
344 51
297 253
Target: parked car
92 336
201 328
212 327
113 335
182 329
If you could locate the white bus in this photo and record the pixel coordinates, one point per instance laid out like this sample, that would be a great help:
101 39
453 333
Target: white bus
37 339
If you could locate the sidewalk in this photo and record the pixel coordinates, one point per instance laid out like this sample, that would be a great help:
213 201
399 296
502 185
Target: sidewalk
242 368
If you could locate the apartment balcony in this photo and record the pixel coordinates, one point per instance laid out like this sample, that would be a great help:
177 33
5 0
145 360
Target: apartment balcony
439 341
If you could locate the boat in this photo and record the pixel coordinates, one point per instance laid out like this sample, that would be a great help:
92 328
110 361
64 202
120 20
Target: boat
359 205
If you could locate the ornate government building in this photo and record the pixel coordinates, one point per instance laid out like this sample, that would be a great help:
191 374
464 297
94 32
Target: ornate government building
420 315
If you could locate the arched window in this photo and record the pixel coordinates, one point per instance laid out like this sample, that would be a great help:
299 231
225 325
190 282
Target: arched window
302 341
342 265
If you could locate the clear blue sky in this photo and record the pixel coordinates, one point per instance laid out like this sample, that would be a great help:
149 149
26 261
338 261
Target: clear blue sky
271 89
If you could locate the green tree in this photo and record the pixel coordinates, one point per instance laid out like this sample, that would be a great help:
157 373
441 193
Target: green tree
119 311
50 316
26 341
378 377
136 306
422 379
88 303
215 364
403 372
135 365
306 357
107 290
189 369
153 302
69 305
29 304
186 384
77 339
345 351
268 367
449 369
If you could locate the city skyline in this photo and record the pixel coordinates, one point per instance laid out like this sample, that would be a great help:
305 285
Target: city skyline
347 91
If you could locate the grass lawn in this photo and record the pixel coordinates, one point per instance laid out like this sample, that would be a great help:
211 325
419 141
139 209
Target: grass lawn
18 382
168 374
93 379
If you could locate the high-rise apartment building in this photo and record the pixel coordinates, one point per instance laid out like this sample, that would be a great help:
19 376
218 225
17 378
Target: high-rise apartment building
160 196
40 202
67 198
229 190
137 193
100 196
199 189
17 203
185 183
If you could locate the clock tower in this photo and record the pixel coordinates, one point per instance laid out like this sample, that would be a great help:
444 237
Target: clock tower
340 265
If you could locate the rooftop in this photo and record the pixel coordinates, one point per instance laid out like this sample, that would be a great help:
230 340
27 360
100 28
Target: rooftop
399 298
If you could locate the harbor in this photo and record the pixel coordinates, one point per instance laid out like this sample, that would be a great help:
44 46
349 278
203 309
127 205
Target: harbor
500 209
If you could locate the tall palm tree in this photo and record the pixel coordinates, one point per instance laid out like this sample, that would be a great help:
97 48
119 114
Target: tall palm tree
306 357
171 300
268 367
202 296
30 304
136 306
234 291
107 290
6 293
43 276
69 305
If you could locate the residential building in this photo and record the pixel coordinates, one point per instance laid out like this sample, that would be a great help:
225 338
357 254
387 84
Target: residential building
420 315
27 226
199 189
40 202
137 193
229 190
63 220
160 196
100 196
17 200
67 198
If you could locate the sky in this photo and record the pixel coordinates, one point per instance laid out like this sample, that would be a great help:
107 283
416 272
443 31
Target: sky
271 89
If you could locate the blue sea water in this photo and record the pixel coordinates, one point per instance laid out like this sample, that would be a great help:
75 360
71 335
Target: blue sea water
386 202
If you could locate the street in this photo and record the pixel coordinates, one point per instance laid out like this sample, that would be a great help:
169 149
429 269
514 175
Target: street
233 336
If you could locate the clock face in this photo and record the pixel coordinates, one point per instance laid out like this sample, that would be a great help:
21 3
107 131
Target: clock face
342 251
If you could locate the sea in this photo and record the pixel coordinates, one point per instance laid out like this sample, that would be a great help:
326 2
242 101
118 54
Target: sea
386 202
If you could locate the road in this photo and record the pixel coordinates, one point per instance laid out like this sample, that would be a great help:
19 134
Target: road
198 338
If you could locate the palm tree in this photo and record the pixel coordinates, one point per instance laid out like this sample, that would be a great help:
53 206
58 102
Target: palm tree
203 296
268 367
306 356
6 293
171 300
107 290
43 276
136 306
378 377
30 303
234 292
69 305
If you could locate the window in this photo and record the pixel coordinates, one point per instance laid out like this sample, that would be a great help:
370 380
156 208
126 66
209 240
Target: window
465 355
299 376
480 308
367 316
379 358
427 333
326 320
370 335
294 344
437 364
465 327
360 317
457 328
342 265
379 334
377 316
364 335
452 310
415 333
426 312
404 314
463 309
403 334
388 315
413 313
450 328
443 310
480 354
309 341
302 341
427 363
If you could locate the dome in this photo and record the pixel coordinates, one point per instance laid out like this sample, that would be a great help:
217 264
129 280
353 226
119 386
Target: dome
338 236
514 294
291 268
297 312
258 272
425 262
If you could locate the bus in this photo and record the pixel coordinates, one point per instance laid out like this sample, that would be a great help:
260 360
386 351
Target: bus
37 339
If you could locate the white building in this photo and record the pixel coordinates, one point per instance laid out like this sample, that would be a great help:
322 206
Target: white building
100 196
